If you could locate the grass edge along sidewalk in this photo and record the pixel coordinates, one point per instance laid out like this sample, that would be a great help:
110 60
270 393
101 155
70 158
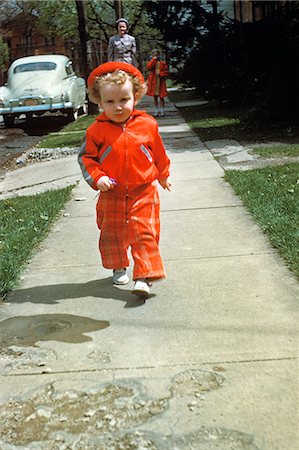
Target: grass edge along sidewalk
25 222
271 194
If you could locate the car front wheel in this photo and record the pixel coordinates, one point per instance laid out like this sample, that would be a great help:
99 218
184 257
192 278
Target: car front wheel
72 115
8 121
83 110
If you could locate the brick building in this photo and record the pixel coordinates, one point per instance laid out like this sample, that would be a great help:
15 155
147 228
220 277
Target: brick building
25 38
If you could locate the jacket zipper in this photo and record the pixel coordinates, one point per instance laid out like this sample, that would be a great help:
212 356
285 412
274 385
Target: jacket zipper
126 168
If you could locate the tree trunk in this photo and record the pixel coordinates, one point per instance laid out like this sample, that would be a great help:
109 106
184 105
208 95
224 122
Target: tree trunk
118 8
85 46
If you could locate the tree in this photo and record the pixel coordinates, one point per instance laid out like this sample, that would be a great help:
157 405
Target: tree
85 49
252 63
56 17
4 58
181 23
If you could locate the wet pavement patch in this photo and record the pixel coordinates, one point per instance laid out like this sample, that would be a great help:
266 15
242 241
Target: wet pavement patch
27 330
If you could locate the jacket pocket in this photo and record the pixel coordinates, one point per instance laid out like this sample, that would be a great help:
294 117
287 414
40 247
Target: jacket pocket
146 152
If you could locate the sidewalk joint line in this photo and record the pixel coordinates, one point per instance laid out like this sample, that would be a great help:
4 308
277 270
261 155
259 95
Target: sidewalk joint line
201 208
36 184
219 256
241 255
163 366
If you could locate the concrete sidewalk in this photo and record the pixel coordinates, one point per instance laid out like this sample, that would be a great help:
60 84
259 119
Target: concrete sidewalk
208 362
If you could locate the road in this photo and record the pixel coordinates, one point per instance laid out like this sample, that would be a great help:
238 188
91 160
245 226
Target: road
25 134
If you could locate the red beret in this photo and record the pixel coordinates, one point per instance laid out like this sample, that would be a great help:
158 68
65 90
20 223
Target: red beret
112 66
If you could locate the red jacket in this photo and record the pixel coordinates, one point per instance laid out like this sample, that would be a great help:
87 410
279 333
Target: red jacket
133 154
151 81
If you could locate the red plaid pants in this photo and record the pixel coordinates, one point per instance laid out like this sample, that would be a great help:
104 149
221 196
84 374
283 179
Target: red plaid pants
131 222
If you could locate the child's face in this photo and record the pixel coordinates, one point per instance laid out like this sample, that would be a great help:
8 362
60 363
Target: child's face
118 101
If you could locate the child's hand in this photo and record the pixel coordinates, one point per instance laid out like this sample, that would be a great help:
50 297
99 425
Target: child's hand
165 183
105 183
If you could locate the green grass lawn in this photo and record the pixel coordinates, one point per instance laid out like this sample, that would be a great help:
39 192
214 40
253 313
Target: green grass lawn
210 122
271 194
81 124
58 140
214 121
25 221
71 135
274 150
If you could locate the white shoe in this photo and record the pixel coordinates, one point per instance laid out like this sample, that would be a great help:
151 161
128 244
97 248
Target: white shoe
120 276
141 289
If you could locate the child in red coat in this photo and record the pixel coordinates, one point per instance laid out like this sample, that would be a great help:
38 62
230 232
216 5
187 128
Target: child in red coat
157 82
123 156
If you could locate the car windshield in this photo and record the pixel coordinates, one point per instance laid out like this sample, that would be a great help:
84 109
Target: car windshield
34 66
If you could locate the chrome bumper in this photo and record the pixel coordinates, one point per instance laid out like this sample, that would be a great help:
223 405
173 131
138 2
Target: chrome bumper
33 108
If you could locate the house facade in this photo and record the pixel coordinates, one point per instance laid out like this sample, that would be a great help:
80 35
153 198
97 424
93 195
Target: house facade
24 38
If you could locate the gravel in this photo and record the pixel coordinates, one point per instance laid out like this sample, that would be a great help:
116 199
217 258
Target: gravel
35 155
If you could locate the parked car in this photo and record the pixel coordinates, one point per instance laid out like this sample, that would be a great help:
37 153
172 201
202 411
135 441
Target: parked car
40 84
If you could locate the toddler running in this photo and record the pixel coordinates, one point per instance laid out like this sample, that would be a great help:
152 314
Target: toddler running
123 157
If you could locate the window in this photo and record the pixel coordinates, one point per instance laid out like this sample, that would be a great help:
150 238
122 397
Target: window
34 67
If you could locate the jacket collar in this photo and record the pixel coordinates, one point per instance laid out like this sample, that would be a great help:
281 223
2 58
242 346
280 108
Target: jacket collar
136 112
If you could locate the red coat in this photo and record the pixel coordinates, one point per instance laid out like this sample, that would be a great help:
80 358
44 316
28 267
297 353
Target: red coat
151 82
133 154
127 215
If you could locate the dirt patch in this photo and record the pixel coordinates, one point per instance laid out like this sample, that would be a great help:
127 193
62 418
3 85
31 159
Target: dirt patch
48 415
195 382
109 417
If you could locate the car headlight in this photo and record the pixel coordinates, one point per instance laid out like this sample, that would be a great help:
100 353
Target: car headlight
2 103
64 97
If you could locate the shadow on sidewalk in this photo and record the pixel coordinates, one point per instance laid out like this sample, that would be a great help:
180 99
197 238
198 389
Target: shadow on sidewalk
51 294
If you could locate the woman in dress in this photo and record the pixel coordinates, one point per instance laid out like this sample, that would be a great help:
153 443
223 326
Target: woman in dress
122 47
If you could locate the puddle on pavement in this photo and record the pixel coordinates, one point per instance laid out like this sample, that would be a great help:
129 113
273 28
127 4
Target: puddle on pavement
27 330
